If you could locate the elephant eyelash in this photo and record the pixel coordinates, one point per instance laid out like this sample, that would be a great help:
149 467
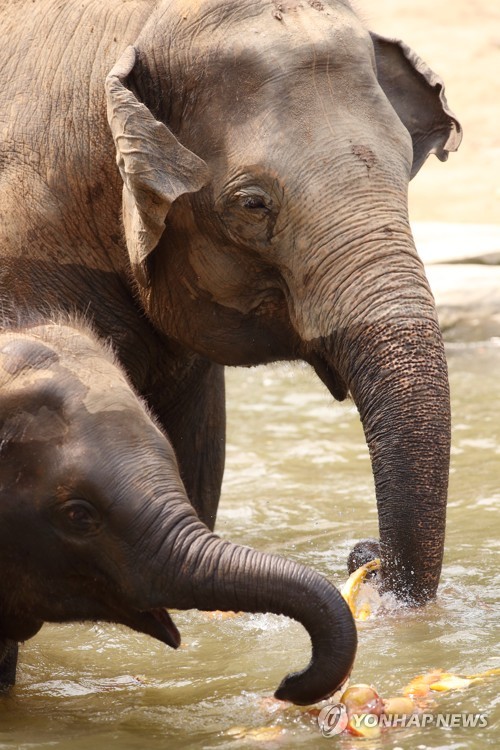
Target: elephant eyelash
254 202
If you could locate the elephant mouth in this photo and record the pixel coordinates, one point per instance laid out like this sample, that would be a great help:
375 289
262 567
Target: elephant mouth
328 374
158 624
20 629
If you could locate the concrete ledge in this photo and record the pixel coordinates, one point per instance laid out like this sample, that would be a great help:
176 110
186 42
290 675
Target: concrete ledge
463 267
467 299
457 243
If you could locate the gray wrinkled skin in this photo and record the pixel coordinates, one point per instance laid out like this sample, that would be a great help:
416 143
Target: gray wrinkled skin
225 182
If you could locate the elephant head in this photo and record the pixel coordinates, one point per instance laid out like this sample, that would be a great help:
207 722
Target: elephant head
95 523
265 153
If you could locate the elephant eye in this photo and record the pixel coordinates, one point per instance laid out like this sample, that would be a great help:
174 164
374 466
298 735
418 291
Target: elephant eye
78 516
254 201
248 212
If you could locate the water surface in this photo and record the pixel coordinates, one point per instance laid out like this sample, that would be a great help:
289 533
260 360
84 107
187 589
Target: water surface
298 482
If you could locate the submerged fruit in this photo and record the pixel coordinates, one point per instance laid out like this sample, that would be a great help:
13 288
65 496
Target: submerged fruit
420 686
219 614
440 681
400 705
362 699
364 725
257 734
451 682
368 716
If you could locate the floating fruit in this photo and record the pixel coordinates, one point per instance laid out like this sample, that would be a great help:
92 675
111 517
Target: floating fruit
364 725
440 681
219 614
399 706
362 699
451 682
420 686
483 675
257 734
368 715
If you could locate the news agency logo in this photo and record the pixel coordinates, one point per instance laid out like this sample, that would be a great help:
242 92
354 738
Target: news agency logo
333 719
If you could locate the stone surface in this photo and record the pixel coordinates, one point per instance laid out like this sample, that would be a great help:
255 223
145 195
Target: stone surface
463 267
457 243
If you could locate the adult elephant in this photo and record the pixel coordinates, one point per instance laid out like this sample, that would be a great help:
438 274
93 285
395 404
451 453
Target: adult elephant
264 153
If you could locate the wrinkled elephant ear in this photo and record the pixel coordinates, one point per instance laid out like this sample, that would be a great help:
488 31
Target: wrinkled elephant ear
417 95
155 168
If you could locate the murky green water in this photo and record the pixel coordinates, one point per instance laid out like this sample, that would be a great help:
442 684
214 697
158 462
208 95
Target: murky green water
298 482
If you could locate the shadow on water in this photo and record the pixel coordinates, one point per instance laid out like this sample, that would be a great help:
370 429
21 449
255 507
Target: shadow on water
298 482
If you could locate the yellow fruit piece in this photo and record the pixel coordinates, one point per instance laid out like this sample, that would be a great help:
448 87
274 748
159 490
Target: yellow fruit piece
421 685
451 682
364 725
481 675
362 699
367 602
399 706
355 579
237 732
361 599
258 734
272 705
218 614
440 681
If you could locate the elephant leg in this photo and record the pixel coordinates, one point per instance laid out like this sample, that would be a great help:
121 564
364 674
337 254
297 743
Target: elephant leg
8 663
195 422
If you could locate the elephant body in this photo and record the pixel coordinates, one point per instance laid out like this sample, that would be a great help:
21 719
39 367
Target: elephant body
236 194
95 523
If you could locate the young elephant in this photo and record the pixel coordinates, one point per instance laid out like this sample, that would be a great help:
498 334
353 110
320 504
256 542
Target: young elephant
95 523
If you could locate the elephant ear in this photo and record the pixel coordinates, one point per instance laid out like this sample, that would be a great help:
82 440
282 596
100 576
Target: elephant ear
417 95
155 168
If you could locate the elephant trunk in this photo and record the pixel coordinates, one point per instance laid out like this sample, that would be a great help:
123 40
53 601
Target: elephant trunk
214 574
385 347
398 380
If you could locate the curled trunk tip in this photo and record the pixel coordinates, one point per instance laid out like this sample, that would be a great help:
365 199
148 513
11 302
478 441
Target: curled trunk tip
332 630
215 574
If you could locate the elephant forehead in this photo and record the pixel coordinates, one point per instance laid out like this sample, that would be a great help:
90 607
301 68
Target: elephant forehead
98 384
69 360
40 425
281 75
18 354
270 31
86 369
108 394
